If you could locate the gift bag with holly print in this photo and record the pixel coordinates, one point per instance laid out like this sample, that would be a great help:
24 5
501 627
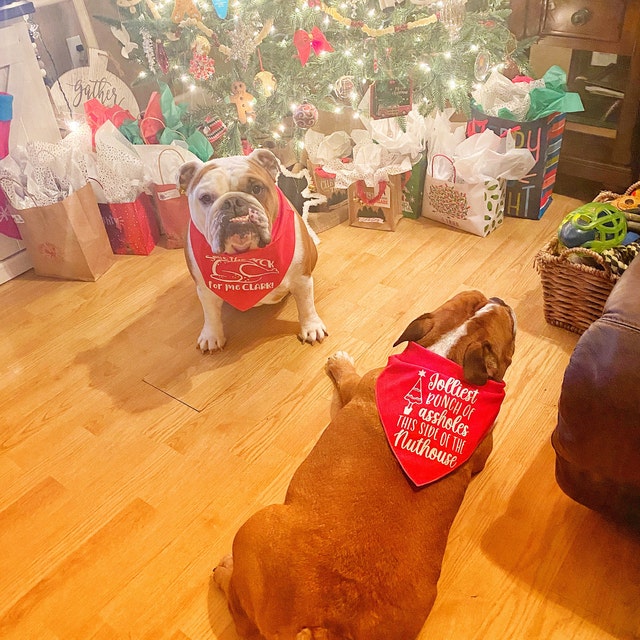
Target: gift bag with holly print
477 208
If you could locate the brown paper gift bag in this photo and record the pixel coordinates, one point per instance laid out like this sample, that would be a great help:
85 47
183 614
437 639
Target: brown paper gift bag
377 207
66 239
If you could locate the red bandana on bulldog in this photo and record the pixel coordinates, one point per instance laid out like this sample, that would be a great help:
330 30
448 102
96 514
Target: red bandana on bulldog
432 418
244 279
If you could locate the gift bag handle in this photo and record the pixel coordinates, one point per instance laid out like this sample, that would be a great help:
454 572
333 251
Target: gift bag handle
453 166
159 164
360 192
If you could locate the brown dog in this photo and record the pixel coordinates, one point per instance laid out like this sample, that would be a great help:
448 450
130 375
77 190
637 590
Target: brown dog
355 552
245 244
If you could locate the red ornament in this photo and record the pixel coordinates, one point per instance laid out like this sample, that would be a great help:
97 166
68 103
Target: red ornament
201 67
246 147
305 116
161 57
213 129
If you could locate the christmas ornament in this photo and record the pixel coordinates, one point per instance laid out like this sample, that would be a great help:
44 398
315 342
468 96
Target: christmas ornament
452 14
153 9
344 88
128 4
482 66
221 7
122 35
372 32
213 129
304 42
161 56
510 69
149 50
242 43
305 116
201 67
265 82
244 101
184 9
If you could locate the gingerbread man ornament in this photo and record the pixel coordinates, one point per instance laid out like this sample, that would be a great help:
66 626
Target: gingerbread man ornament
243 100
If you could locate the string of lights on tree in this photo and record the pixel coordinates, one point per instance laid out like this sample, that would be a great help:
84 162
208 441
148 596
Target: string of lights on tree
265 67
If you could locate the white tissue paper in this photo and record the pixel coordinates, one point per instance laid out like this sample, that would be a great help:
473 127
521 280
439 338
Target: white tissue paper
481 157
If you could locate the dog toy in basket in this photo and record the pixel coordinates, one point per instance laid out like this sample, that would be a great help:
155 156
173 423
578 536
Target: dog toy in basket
597 226
629 202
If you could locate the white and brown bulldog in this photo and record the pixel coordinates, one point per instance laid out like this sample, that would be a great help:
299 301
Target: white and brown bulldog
355 551
245 244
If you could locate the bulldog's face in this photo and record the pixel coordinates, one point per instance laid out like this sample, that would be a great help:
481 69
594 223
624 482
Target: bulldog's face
233 201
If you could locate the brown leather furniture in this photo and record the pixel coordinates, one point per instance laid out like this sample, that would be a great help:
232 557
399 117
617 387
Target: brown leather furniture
597 438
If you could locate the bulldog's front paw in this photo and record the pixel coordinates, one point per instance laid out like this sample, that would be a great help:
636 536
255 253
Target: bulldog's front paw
222 573
339 364
312 331
208 341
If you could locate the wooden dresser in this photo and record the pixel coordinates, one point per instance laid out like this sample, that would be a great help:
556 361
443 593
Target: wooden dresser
600 144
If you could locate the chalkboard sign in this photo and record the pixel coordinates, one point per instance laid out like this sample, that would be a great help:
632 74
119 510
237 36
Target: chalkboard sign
530 196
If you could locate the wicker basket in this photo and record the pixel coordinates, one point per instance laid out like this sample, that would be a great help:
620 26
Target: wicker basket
574 294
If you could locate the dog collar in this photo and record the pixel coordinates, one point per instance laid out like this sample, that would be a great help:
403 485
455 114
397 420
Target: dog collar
244 279
433 419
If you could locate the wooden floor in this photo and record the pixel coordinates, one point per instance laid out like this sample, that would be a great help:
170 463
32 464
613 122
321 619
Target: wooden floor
128 460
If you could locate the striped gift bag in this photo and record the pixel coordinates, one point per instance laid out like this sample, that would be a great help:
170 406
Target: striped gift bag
531 196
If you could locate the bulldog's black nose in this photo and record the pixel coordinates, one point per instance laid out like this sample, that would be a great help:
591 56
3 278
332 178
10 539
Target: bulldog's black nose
234 205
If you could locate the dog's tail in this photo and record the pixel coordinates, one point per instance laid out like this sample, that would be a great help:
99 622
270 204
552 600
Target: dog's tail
319 633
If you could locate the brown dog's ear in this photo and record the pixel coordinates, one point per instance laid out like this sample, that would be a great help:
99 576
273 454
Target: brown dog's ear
186 173
480 363
416 330
267 160
473 364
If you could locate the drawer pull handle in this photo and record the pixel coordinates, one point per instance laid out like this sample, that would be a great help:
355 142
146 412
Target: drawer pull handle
581 17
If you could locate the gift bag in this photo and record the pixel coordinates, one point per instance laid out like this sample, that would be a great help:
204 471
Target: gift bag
477 208
66 239
131 226
172 207
413 190
530 196
377 207
336 209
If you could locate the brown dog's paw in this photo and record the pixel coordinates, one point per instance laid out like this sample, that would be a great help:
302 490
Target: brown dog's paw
222 573
339 364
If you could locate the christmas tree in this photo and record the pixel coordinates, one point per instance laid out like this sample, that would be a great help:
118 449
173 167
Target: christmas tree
267 66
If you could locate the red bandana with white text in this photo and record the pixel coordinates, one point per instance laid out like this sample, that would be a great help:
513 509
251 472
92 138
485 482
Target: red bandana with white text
244 279
432 418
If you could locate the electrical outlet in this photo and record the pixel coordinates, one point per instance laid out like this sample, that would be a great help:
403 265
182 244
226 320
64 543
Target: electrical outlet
76 51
